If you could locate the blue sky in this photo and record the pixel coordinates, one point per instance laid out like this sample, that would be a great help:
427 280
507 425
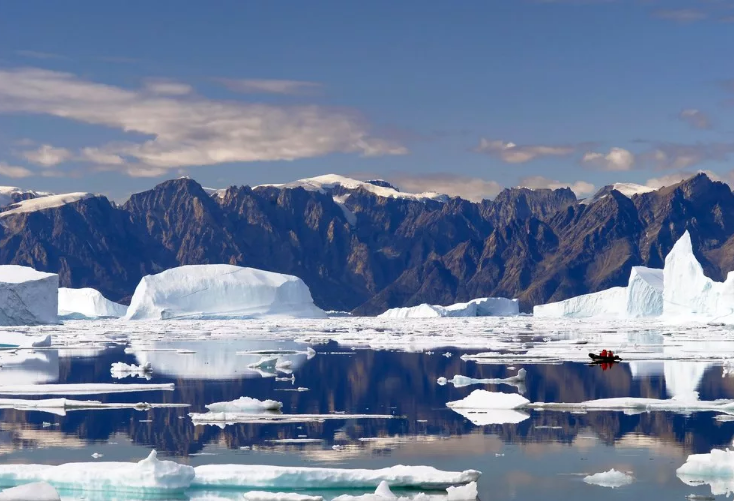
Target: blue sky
461 97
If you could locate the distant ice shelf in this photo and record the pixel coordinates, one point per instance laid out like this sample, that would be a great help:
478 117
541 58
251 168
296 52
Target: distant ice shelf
481 307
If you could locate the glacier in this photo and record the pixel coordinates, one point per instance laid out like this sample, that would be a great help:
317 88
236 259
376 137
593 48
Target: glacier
220 291
27 296
87 303
481 307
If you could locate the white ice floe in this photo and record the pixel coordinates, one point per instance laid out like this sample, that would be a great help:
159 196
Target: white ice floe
461 381
245 405
27 296
20 340
223 419
35 491
482 399
147 476
121 370
221 291
87 303
482 307
483 408
611 478
284 477
468 492
81 388
643 297
279 496
715 468
631 405
28 367
60 406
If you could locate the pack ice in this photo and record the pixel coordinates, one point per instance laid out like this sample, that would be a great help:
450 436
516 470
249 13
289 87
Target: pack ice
27 296
481 307
87 303
221 291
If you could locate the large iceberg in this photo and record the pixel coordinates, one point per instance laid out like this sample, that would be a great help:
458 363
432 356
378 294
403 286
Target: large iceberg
27 296
87 303
481 307
150 476
643 297
221 291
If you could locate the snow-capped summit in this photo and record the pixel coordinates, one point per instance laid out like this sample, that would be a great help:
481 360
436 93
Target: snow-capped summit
626 189
45 202
328 182
12 194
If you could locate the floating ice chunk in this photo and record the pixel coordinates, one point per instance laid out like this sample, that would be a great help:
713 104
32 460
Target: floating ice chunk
715 468
221 291
481 307
27 296
466 492
122 370
279 496
87 303
461 381
245 405
223 419
630 405
611 478
482 399
97 455
36 491
80 389
148 476
19 340
284 477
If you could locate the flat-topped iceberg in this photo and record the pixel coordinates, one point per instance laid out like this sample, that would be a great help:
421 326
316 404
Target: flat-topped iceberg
27 296
245 404
80 388
295 477
643 297
221 291
483 407
147 476
481 307
87 303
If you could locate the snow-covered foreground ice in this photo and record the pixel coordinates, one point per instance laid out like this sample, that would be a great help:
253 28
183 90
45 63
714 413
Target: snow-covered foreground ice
282 477
611 478
221 291
81 388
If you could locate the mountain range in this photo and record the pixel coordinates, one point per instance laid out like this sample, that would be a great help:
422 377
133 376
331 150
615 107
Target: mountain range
365 246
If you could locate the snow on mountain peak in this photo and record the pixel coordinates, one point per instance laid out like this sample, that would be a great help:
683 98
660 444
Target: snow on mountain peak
45 202
327 182
629 189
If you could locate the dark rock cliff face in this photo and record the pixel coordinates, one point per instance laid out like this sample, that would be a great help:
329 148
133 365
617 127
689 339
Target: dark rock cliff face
365 253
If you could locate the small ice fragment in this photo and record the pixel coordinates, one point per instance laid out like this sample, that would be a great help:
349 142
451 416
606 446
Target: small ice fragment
466 492
448 354
611 478
97 455
442 381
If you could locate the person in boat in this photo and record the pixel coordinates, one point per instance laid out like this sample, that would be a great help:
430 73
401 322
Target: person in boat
603 353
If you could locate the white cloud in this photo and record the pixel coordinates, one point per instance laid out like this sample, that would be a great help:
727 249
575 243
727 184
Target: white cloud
675 156
168 87
695 118
95 155
515 154
47 155
13 171
468 188
254 86
190 131
618 159
580 188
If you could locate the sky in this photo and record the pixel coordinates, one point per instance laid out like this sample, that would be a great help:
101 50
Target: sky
463 98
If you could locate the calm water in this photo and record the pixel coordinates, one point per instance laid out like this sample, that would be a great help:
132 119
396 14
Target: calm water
544 456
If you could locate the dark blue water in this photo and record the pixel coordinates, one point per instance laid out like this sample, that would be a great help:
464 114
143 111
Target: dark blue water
544 455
